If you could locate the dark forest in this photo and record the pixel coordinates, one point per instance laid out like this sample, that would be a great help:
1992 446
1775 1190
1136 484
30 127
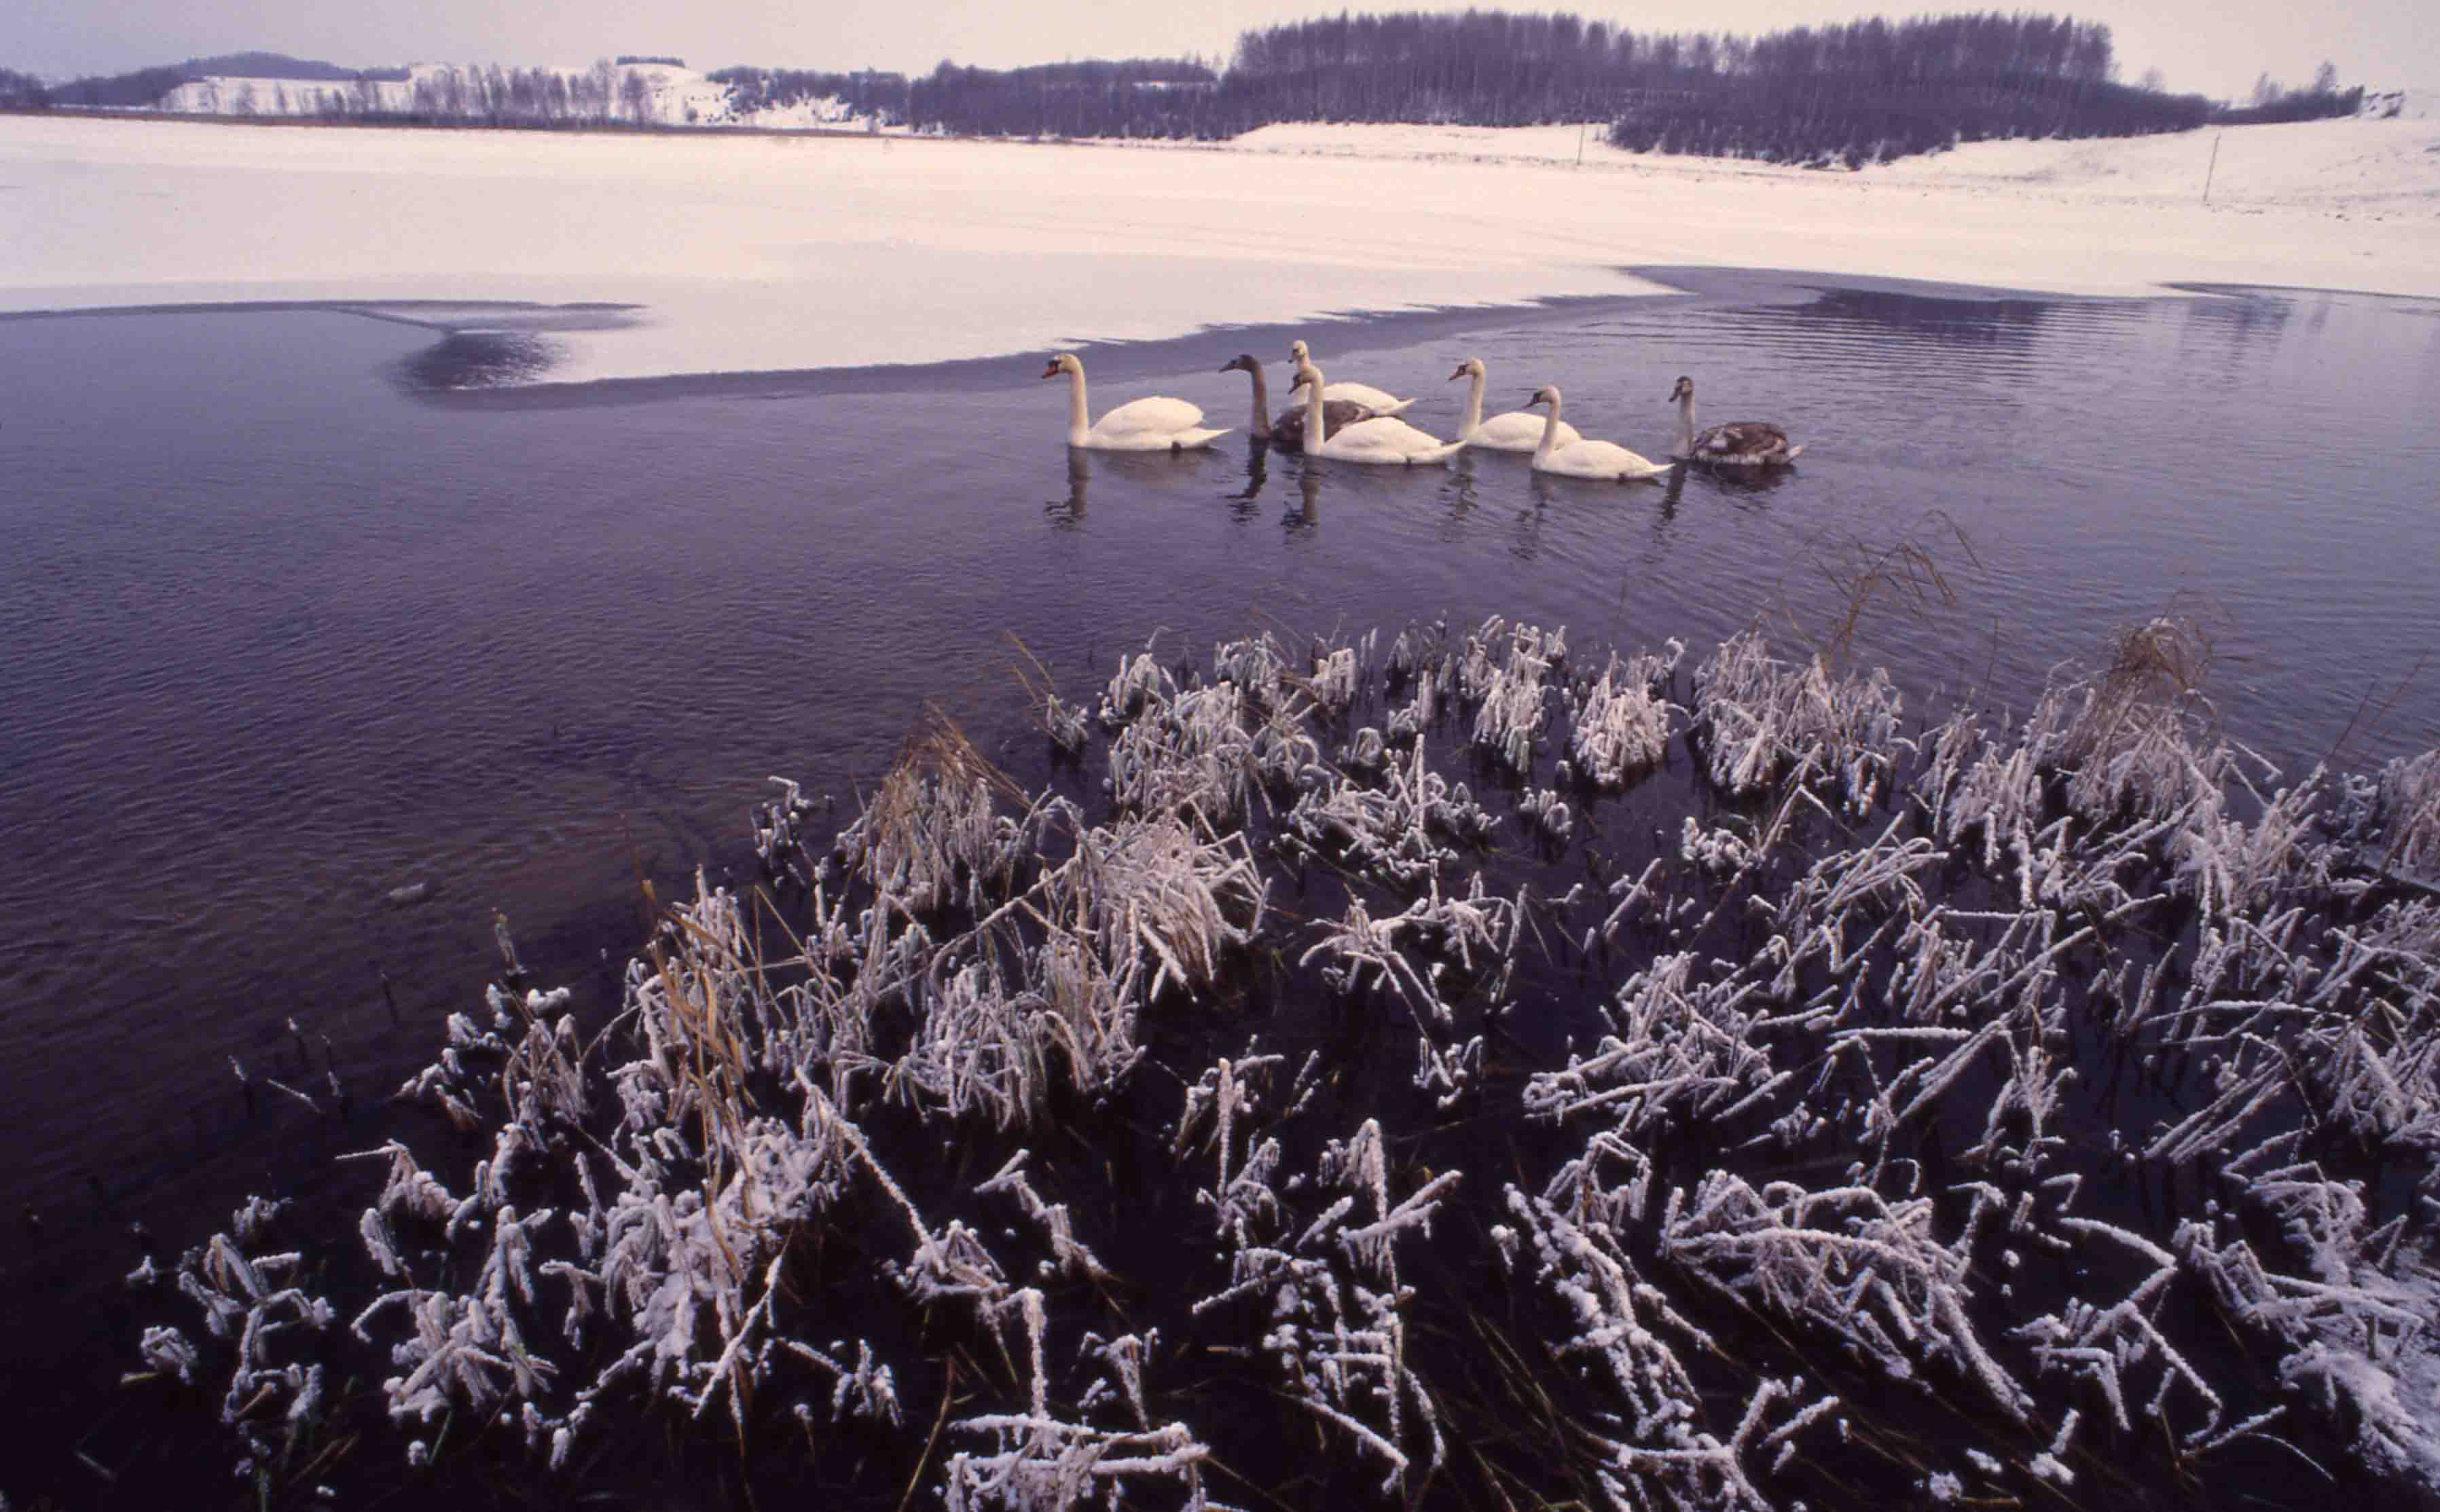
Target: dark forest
1844 95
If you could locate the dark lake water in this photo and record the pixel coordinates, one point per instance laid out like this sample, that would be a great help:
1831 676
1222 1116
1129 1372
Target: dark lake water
281 631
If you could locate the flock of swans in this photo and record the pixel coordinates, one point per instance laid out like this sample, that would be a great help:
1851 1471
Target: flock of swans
1357 422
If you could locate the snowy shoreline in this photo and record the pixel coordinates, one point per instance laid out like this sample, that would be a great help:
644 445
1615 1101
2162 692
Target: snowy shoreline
789 253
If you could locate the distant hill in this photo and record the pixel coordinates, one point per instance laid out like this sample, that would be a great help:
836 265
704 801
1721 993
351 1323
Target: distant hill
280 65
145 87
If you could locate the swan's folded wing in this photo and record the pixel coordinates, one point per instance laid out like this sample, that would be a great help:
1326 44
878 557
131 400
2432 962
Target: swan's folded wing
1379 400
1742 438
1154 414
1520 430
1388 433
1605 459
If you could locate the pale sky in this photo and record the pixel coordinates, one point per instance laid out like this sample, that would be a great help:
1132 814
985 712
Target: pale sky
2214 47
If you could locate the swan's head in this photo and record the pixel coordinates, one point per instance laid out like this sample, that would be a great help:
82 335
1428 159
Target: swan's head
1546 394
1063 362
1242 365
1306 374
1685 389
1471 367
1299 354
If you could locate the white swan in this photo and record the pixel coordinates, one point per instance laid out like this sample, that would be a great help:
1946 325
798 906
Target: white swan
1381 440
1585 459
1513 432
1379 400
1153 424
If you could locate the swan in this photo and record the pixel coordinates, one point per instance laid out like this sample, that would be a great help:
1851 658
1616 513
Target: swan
1154 424
1513 432
1380 401
1585 459
1739 443
1288 430
1381 439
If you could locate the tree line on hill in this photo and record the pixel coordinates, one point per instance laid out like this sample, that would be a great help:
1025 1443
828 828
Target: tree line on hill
145 87
1849 94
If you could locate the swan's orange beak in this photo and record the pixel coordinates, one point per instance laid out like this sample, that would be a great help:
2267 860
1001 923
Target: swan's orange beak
1050 369
1460 373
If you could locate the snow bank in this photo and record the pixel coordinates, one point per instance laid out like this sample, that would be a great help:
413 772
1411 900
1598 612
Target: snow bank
790 253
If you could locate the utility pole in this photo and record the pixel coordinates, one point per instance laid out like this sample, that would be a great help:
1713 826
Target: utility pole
1581 129
2212 169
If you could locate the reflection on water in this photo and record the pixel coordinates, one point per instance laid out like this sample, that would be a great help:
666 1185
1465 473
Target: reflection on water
482 359
1068 513
284 639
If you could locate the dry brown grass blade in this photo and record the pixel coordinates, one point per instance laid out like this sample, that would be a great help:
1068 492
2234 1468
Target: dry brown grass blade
2156 670
1905 574
2365 706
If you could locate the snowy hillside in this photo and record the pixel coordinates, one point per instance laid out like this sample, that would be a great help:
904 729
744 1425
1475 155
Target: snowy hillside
2402 104
641 94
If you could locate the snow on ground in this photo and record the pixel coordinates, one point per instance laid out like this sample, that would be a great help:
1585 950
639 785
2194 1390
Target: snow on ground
782 253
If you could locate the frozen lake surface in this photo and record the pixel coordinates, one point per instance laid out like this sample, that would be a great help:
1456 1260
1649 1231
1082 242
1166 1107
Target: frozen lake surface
289 631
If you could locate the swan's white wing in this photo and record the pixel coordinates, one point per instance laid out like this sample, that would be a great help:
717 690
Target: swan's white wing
1385 430
1379 400
1519 431
1186 440
1382 439
1603 459
1154 415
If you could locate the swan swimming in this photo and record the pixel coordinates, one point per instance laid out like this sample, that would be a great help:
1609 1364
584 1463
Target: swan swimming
1288 430
1380 401
1738 444
1157 423
1585 459
1516 430
1381 440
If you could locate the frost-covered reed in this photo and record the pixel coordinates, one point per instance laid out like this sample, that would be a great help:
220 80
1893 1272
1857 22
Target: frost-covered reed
1236 1122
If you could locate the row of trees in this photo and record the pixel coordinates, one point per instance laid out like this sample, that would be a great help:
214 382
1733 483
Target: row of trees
150 86
22 91
607 93
1859 92
2316 102
1137 96
866 92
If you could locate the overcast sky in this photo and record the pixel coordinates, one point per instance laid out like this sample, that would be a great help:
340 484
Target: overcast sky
2214 47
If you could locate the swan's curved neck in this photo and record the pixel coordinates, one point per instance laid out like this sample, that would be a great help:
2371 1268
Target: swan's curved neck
1316 425
1077 422
1474 405
1549 433
1683 445
1262 426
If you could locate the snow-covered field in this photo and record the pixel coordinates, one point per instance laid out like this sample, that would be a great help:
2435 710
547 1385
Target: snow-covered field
778 253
